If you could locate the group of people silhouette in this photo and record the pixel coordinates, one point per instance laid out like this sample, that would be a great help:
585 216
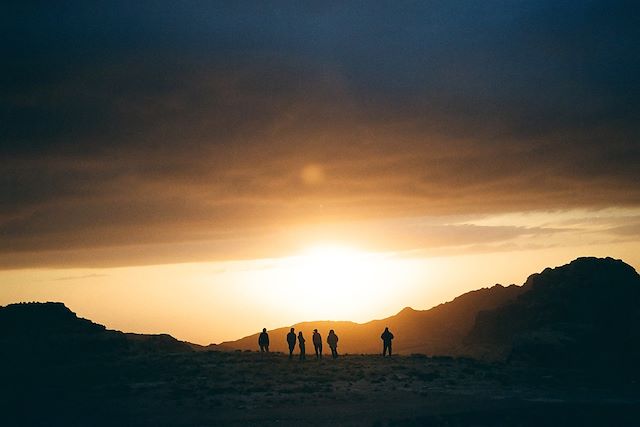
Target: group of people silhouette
332 340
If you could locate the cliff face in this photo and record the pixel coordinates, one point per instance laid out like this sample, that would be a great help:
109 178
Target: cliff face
586 311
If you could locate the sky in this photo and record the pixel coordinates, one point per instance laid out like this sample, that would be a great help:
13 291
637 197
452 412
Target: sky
210 168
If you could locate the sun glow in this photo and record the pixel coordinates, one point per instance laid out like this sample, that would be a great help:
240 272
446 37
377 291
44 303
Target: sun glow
334 269
337 282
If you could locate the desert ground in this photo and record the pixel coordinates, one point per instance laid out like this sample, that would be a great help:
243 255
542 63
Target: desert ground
248 388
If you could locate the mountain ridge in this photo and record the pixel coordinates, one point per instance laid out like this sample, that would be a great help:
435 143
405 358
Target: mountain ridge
557 313
451 328
457 321
50 329
588 307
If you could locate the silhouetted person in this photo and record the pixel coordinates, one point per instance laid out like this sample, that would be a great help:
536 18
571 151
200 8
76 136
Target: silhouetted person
301 342
263 341
291 340
386 341
332 340
317 344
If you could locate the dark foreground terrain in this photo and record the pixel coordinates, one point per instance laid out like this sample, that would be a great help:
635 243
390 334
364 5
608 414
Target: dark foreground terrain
246 388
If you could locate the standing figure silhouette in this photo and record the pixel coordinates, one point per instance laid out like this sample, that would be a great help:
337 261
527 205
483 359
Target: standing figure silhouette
317 344
332 340
386 336
263 341
291 340
301 342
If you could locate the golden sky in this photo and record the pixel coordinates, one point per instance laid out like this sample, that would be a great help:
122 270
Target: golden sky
175 167
214 301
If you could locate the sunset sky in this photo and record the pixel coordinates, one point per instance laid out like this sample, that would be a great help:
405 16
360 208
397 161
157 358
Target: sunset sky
207 169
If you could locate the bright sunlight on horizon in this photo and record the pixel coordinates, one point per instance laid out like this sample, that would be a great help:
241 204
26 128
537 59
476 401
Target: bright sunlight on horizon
211 302
331 281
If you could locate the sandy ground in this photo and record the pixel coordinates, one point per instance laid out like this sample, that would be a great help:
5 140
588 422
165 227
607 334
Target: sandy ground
247 388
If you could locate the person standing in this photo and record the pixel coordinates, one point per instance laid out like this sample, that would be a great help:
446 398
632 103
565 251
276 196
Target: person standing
332 340
301 342
263 341
386 336
291 340
317 344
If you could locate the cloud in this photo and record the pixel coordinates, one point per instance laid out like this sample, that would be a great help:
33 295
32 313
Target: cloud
82 276
155 134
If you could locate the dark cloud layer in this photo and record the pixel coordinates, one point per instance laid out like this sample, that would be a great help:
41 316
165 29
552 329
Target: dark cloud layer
188 126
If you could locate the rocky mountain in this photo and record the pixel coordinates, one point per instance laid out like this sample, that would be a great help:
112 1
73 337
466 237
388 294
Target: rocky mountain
439 330
51 331
590 306
587 311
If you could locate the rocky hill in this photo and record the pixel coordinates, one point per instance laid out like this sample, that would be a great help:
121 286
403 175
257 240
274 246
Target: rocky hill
50 331
439 330
590 307
586 311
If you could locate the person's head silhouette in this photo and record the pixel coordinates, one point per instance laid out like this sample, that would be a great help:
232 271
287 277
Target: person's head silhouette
292 329
315 330
264 329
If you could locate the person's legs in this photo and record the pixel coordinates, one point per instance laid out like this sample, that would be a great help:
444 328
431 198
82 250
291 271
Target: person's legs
386 346
320 350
